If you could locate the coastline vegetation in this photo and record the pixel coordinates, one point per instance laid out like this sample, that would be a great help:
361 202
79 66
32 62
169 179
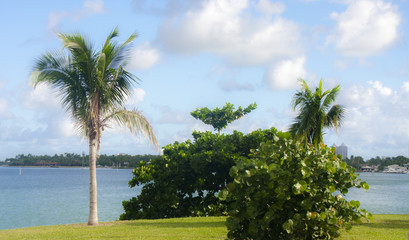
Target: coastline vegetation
357 161
76 160
383 227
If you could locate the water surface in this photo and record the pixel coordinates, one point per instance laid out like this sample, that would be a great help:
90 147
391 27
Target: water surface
388 193
49 196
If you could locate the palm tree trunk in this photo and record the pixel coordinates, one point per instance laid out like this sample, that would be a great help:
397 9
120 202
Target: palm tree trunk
93 207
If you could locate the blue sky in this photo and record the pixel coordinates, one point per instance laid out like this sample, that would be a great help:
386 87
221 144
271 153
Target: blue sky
205 53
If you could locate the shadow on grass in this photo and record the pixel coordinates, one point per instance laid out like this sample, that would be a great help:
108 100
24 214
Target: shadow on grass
176 224
387 223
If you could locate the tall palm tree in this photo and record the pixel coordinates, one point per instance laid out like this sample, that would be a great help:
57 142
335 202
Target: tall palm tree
315 112
93 87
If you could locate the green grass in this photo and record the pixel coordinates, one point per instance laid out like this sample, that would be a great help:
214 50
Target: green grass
176 228
388 227
383 227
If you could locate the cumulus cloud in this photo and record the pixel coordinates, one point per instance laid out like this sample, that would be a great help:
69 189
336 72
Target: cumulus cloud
40 97
229 29
270 8
67 128
137 96
143 57
90 7
285 74
366 28
377 118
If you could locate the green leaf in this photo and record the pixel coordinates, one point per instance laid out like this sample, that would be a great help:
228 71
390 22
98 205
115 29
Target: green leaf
288 225
223 194
331 189
323 215
297 188
354 204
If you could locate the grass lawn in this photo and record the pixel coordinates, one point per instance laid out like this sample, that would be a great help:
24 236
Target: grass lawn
388 227
383 227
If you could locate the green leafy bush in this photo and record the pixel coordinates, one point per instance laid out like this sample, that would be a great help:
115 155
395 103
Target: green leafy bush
185 181
286 190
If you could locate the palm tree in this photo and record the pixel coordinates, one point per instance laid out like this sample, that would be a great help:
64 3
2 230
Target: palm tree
315 112
93 87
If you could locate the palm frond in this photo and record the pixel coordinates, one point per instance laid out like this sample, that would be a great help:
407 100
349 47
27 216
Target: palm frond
335 116
135 122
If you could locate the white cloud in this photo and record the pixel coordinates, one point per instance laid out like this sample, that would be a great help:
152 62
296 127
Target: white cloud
40 97
382 90
93 6
366 28
4 109
89 8
143 57
285 74
137 96
67 128
270 8
376 119
3 105
228 29
54 20
405 87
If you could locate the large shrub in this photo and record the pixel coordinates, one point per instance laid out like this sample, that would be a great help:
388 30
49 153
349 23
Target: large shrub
185 181
286 190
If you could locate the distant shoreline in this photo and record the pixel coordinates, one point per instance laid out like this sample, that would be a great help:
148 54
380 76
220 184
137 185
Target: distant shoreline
6 166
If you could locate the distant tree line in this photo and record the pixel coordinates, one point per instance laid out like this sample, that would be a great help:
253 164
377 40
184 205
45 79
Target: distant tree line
77 160
358 161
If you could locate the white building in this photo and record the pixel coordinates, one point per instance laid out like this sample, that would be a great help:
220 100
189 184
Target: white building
343 150
395 169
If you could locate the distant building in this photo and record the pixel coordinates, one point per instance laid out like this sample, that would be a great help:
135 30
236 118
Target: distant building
343 150
366 168
395 169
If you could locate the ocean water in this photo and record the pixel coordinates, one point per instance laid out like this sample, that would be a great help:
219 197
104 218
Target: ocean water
388 193
50 196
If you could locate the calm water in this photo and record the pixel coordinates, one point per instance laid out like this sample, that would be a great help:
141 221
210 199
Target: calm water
49 196
388 193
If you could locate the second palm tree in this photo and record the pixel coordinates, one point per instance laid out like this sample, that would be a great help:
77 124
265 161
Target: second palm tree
315 112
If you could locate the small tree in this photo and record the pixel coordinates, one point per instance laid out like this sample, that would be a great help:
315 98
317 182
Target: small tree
220 118
286 190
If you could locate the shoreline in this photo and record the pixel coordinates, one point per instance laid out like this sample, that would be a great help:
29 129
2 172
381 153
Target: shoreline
6 166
